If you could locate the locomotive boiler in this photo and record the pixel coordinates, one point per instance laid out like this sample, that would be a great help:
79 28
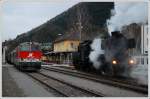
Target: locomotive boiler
115 61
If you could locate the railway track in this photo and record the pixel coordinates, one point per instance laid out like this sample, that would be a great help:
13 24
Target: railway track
64 88
114 82
130 81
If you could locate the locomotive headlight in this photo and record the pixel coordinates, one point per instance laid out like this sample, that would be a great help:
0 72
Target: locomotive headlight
131 62
114 62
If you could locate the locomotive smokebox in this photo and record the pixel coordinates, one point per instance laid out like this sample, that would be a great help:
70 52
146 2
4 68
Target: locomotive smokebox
115 33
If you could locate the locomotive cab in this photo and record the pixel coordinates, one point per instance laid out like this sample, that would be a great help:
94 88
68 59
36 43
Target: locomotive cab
81 58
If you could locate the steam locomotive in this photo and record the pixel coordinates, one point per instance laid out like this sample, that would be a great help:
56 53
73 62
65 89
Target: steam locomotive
115 61
26 56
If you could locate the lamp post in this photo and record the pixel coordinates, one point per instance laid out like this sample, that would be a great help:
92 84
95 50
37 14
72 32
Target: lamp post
60 54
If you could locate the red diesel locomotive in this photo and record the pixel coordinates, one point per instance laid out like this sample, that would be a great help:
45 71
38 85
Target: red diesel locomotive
26 56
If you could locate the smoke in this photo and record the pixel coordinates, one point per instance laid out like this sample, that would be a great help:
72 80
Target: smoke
126 13
140 73
95 54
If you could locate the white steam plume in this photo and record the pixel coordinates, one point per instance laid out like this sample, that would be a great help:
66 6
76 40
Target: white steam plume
97 51
125 13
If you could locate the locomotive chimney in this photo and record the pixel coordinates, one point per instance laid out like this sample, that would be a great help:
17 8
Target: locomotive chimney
115 33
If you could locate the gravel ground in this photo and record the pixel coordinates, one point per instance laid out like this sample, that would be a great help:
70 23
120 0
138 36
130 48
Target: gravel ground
17 84
104 89
63 88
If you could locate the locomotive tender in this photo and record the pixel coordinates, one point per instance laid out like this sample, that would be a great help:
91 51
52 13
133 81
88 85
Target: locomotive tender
115 61
26 56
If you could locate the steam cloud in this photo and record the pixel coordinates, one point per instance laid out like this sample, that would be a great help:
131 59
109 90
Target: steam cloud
123 14
126 13
97 51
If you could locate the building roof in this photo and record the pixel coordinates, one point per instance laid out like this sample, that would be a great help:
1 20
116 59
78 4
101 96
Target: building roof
67 36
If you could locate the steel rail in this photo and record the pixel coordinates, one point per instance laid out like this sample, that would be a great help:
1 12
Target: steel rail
135 88
50 87
87 91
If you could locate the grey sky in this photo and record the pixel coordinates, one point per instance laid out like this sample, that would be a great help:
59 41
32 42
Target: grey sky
20 17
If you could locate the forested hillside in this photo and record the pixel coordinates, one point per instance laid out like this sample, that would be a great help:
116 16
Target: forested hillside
91 15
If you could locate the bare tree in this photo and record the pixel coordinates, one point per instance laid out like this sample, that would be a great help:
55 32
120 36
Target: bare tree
83 21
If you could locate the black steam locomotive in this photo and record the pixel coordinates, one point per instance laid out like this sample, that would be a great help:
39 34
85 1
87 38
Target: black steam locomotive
115 61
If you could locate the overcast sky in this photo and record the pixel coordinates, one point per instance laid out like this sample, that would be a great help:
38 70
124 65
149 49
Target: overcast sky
20 17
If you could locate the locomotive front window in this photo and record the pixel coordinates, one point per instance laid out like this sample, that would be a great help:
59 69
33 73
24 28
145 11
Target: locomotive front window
35 47
24 48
